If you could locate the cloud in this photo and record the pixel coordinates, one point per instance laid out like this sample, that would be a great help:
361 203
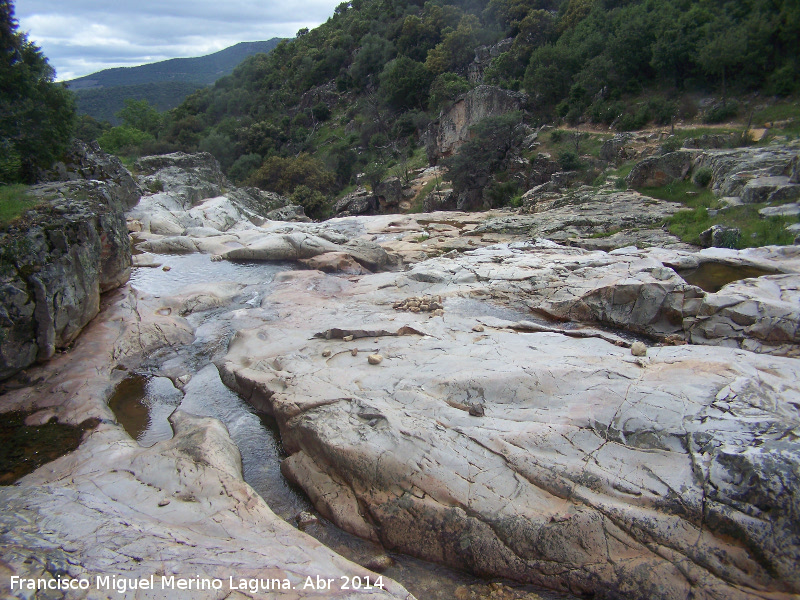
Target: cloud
84 36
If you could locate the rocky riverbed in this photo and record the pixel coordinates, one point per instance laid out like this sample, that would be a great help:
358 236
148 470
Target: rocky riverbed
448 385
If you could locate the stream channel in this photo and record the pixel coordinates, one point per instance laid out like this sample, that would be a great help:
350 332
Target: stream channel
145 399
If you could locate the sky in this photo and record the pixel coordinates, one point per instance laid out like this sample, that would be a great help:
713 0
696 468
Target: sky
79 37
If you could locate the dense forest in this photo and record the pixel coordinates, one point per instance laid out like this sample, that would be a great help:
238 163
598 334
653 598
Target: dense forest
357 92
163 84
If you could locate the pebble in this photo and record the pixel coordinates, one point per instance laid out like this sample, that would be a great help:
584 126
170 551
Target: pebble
163 502
379 563
166 268
478 328
374 359
416 304
305 518
348 338
638 349
354 351
476 410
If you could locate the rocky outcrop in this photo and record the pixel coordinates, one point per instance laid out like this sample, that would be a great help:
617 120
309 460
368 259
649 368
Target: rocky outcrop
58 258
484 55
487 440
657 171
600 219
719 236
445 135
751 168
188 178
617 148
87 162
359 202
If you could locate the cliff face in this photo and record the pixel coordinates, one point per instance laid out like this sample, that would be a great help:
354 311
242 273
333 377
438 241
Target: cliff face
58 258
445 135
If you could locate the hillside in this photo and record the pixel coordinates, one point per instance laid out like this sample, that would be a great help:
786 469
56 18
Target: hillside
202 70
104 103
163 84
359 93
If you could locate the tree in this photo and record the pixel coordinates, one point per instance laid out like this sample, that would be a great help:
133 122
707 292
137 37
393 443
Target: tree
723 49
140 115
37 115
404 84
483 154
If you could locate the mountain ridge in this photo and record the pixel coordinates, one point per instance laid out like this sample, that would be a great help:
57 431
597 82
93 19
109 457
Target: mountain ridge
199 69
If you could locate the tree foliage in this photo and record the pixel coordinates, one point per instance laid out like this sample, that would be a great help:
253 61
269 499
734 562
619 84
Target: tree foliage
37 115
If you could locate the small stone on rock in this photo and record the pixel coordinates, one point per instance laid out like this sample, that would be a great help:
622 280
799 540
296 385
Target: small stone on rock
163 502
348 338
166 268
305 518
379 563
326 353
638 349
354 351
476 410
478 328
374 359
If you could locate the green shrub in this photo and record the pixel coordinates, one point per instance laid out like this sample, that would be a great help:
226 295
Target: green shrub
703 176
721 113
671 144
569 160
556 136
621 184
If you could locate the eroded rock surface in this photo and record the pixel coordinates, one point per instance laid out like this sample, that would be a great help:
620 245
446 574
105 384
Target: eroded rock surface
179 508
56 261
521 450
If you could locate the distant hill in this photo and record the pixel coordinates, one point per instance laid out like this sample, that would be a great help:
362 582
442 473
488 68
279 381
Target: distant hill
163 84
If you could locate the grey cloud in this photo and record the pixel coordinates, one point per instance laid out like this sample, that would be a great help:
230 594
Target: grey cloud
84 36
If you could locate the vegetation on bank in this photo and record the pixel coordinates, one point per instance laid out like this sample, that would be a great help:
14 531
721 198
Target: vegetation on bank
37 115
14 201
359 91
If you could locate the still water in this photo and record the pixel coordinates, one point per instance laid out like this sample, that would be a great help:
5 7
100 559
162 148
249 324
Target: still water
143 402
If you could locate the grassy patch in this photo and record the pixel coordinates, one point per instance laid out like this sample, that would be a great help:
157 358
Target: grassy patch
702 212
14 201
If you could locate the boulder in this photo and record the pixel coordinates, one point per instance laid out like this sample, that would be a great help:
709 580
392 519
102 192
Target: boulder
720 236
441 200
290 212
359 202
258 201
769 189
734 169
389 193
657 171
